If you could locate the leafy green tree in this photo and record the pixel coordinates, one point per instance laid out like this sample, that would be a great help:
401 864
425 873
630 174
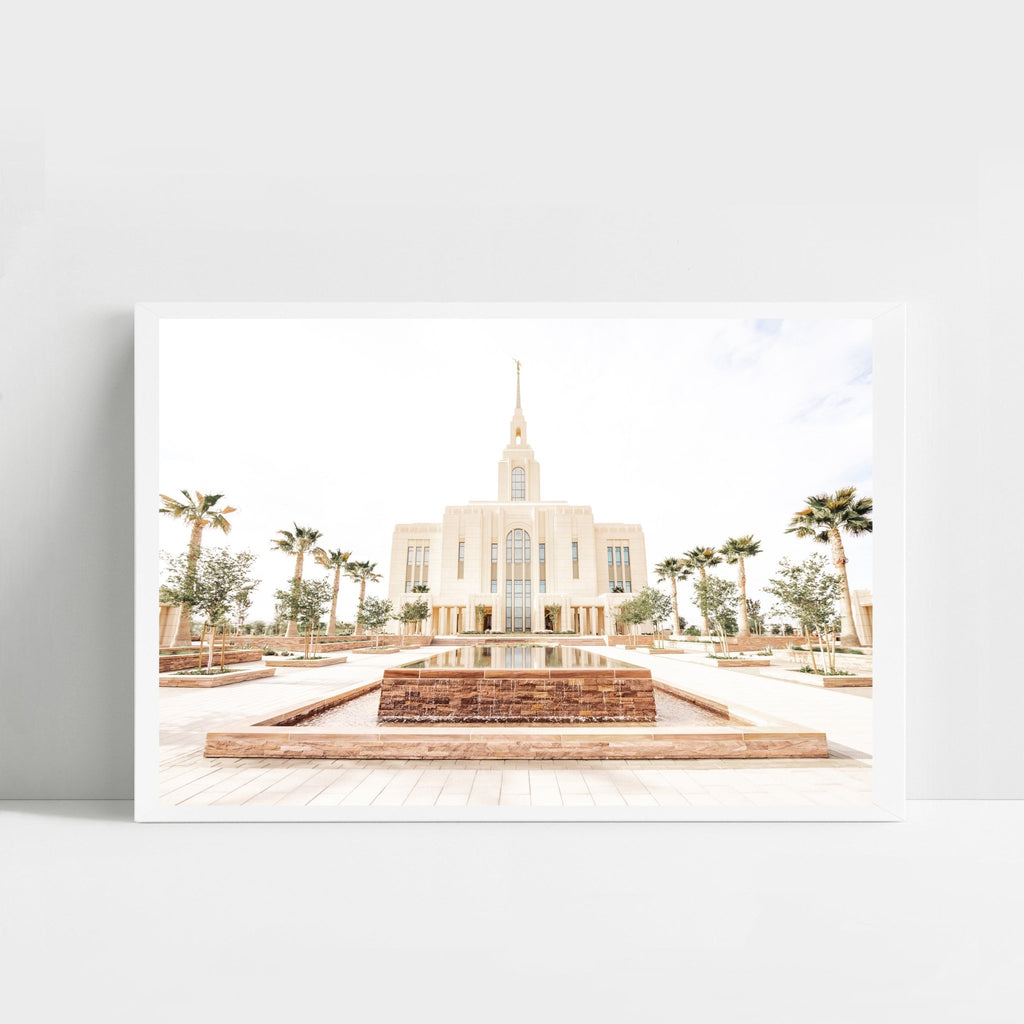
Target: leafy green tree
374 614
808 592
213 584
632 613
718 598
701 559
336 560
305 603
297 544
197 513
755 617
673 569
414 612
826 518
362 573
421 588
736 550
659 608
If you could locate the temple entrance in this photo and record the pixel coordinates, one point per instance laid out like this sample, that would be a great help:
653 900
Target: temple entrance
487 622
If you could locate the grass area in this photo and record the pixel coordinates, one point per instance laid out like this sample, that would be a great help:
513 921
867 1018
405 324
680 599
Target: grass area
838 672
839 650
204 672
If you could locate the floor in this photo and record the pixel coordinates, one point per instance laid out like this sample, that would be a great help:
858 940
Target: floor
187 778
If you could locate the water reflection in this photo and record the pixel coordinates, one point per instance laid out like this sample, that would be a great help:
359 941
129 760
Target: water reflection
513 656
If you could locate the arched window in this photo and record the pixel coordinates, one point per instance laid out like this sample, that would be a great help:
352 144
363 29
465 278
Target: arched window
518 617
519 484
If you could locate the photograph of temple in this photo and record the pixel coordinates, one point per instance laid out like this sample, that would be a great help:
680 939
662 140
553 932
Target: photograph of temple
518 563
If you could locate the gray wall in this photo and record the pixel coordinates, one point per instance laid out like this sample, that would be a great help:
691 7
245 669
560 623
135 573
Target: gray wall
473 152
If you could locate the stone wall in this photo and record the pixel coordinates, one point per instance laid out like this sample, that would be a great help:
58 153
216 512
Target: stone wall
517 695
328 644
178 662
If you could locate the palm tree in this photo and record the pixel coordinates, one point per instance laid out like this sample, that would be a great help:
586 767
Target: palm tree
198 513
421 588
363 573
297 544
673 569
735 550
702 559
336 560
826 518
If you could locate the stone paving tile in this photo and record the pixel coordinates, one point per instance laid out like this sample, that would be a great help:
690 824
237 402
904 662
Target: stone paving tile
369 789
544 791
486 789
397 791
340 787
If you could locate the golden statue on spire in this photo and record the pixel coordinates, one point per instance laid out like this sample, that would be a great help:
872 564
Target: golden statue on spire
518 365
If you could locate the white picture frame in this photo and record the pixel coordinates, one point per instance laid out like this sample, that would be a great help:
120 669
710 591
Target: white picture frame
889 446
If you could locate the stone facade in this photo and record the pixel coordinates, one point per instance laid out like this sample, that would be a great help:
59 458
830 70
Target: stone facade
519 563
517 695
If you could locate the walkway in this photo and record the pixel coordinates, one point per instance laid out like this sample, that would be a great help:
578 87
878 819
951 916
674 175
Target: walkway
190 779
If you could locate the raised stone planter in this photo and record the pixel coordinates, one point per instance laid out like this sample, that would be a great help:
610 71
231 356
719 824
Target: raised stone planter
177 662
735 663
221 679
812 679
305 662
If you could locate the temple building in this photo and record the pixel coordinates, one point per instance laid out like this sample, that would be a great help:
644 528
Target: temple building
518 564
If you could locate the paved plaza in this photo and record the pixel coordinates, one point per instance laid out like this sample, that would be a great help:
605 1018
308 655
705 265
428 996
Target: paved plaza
187 778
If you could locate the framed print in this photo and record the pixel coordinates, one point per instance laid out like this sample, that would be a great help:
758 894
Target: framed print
507 562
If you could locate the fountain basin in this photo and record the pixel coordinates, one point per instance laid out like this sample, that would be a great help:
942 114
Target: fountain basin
516 695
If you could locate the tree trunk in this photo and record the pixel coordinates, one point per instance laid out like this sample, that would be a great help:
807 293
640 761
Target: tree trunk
184 634
293 628
362 597
675 607
202 643
705 629
334 603
744 629
810 649
849 636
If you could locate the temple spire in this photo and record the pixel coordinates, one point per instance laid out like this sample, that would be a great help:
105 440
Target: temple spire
519 403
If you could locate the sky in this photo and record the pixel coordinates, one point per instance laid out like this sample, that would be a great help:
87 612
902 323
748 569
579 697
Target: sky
699 430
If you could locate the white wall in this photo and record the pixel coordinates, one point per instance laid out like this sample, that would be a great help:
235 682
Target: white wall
465 151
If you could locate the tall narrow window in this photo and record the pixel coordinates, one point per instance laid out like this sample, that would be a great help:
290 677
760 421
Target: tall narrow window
462 558
426 555
411 551
494 552
609 556
575 560
618 556
517 582
494 586
543 585
419 555
519 484
540 552
625 556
